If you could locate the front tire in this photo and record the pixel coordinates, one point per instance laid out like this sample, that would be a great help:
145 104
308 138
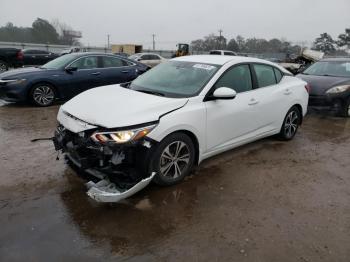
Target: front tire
173 159
290 124
42 94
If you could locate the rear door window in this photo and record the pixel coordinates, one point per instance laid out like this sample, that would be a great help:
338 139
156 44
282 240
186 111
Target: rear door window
278 75
215 53
145 57
109 61
265 75
154 57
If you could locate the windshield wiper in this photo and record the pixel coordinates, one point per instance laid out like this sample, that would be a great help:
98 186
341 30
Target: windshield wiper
151 92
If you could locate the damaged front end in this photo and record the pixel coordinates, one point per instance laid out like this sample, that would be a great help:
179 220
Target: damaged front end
117 160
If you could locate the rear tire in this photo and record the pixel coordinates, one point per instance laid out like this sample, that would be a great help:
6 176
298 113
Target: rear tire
42 94
345 109
173 159
290 124
3 66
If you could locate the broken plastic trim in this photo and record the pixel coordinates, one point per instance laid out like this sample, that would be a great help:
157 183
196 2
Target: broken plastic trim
107 192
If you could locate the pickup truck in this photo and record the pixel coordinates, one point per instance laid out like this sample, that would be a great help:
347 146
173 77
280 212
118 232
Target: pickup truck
10 57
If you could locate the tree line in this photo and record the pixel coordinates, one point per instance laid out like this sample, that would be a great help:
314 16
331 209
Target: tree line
41 32
328 45
324 43
242 45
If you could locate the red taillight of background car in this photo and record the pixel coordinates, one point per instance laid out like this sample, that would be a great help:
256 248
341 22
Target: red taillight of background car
20 55
308 88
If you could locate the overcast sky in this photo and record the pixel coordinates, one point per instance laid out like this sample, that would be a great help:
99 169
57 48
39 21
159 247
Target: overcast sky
134 21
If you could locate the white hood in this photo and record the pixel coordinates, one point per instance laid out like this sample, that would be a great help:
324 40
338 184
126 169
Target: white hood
114 106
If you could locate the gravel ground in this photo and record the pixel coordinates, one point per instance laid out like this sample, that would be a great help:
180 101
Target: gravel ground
266 201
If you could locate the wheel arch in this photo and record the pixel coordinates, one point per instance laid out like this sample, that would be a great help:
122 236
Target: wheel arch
57 94
194 139
300 108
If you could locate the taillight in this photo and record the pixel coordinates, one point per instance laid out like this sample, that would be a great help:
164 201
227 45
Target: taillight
20 55
308 88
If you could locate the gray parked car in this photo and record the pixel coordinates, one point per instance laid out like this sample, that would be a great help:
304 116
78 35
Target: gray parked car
329 81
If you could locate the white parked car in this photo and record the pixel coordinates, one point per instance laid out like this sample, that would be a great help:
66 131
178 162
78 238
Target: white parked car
222 52
173 117
148 59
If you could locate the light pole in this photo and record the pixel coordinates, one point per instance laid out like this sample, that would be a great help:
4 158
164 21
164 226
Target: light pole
220 38
108 41
154 42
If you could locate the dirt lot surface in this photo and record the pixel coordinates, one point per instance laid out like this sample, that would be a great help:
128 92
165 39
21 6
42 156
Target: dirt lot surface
267 201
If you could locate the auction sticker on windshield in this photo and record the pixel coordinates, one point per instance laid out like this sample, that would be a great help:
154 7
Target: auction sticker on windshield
204 66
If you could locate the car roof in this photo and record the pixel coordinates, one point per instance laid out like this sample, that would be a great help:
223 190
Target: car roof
146 54
223 59
219 59
92 53
336 59
221 50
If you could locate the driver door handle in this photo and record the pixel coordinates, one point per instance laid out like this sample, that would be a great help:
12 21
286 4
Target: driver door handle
96 73
253 102
125 71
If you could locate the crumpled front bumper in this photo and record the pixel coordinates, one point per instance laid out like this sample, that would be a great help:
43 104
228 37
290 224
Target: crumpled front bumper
119 170
105 191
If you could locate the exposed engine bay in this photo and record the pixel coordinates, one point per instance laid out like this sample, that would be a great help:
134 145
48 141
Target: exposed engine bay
117 171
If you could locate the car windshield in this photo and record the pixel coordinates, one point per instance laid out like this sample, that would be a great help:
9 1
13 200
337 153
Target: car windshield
175 79
329 68
60 62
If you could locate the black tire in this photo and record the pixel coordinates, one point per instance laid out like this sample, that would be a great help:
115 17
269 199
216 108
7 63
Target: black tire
290 124
345 109
3 66
42 94
171 166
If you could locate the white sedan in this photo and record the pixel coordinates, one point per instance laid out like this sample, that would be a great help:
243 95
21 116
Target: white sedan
174 116
148 59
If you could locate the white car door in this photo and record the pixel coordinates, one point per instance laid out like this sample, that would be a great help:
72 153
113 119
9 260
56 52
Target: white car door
231 121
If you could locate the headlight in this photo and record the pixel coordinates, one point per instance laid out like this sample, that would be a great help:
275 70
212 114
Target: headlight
122 136
338 89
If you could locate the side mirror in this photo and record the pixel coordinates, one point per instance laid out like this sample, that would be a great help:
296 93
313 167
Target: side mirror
71 69
224 93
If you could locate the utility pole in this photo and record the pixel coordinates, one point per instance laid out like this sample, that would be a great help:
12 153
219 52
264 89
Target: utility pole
220 32
154 43
108 41
220 38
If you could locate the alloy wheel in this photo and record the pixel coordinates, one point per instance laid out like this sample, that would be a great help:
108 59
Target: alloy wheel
174 159
291 124
43 95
